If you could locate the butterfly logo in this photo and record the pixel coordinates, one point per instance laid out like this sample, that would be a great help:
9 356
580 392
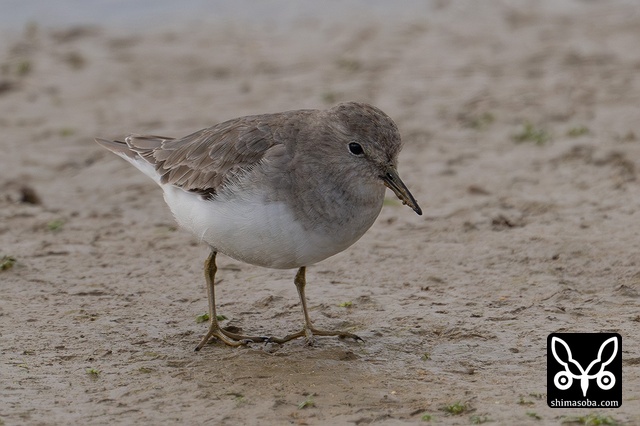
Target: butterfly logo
564 379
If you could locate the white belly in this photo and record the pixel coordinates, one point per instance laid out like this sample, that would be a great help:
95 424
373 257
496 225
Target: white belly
251 230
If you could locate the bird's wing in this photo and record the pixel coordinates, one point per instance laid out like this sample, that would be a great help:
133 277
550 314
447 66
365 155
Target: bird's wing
206 160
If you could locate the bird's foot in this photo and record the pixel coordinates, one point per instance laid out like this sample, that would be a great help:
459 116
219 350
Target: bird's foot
243 338
309 334
229 338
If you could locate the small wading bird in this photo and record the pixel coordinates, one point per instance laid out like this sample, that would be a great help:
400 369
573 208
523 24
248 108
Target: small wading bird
283 190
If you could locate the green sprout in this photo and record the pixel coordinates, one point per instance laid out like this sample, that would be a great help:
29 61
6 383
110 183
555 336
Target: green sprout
93 372
456 408
478 420
205 317
55 225
308 402
7 262
577 131
530 133
533 415
593 419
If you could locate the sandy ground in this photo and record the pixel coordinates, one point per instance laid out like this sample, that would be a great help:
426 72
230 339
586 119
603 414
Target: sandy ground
525 231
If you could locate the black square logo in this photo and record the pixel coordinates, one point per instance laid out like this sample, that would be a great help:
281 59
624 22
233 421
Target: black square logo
584 370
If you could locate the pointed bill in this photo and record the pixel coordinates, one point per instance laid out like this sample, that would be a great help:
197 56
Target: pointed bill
392 181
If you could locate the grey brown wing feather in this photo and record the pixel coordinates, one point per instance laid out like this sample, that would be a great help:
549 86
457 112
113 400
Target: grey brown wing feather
204 161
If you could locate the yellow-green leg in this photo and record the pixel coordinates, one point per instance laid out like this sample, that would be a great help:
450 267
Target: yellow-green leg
224 336
308 331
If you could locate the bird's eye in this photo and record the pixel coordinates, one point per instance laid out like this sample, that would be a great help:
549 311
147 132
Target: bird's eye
355 148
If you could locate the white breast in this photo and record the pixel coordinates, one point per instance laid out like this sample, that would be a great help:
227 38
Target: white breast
251 230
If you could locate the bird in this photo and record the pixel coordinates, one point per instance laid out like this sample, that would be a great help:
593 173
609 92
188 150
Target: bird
280 190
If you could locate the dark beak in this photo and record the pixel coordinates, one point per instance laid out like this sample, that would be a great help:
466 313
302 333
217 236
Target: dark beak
392 181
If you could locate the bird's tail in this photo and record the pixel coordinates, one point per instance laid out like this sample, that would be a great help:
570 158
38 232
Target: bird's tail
123 149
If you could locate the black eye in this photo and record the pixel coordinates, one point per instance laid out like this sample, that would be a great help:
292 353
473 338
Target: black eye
355 148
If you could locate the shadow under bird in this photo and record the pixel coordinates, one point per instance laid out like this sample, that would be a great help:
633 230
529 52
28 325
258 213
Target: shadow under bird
283 190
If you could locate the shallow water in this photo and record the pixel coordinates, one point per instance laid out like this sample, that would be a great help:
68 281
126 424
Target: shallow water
17 13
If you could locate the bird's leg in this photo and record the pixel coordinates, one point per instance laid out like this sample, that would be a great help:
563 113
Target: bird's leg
224 336
214 328
309 330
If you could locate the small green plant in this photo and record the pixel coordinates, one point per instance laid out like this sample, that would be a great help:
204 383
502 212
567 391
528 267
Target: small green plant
530 133
482 121
593 419
426 356
533 415
55 225
577 131
478 420
426 417
205 317
239 398
308 402
66 131
456 408
346 304
7 262
23 68
523 401
93 372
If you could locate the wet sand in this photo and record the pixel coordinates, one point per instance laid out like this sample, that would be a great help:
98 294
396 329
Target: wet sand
521 143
